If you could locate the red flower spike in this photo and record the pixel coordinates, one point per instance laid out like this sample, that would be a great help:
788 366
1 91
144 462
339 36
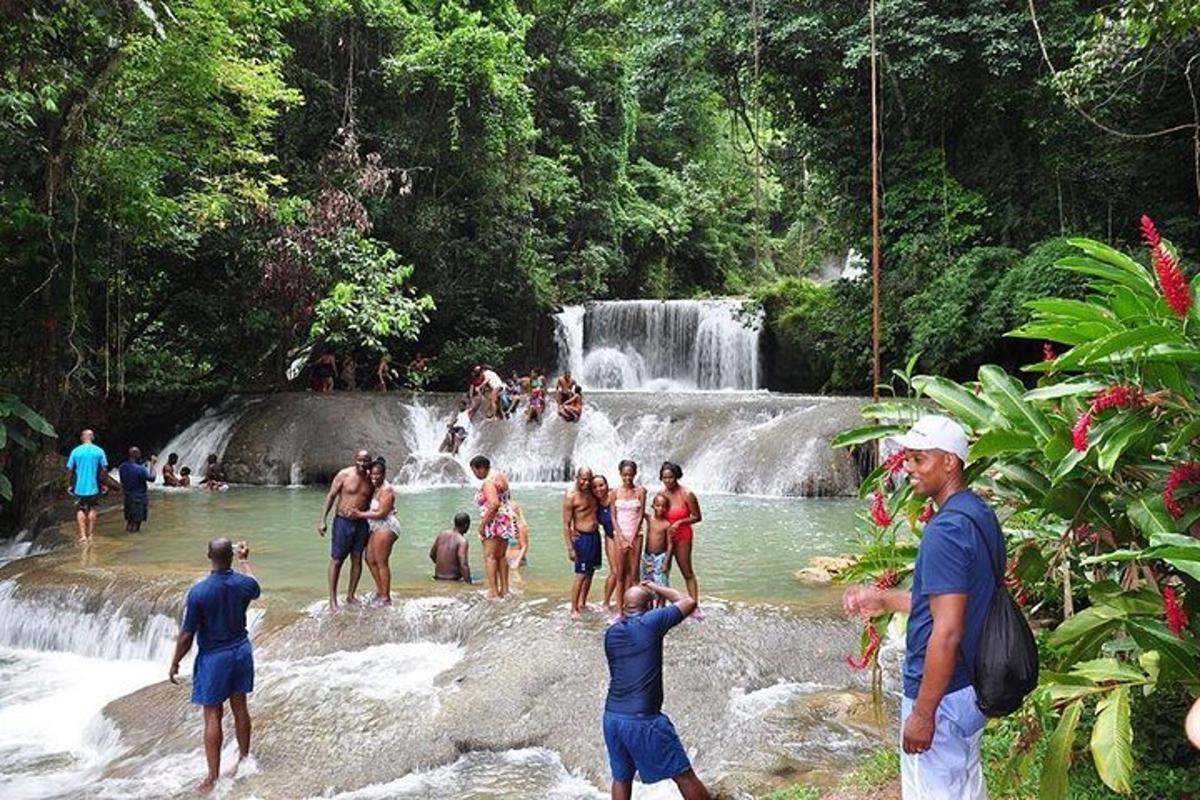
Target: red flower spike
1176 617
1171 280
1184 473
1048 353
926 514
869 653
887 580
879 512
1118 396
894 463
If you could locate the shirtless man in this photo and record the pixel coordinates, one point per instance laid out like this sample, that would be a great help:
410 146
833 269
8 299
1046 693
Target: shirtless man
449 552
169 476
351 490
581 530
564 388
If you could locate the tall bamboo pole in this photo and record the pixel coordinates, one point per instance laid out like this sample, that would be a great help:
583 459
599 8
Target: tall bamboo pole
875 315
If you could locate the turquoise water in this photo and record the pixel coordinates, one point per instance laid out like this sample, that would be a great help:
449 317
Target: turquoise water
747 548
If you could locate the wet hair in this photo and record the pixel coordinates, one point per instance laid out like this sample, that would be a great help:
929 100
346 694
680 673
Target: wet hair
600 477
185 471
676 470
380 462
212 458
480 462
171 459
627 463
462 521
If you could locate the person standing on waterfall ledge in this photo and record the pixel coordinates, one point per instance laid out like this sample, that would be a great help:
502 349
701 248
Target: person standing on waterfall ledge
638 736
224 669
952 587
351 489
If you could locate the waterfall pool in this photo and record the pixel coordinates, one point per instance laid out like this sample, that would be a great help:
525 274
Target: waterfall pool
442 695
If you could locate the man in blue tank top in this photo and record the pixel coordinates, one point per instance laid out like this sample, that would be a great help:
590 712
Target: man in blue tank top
640 738
960 552
224 669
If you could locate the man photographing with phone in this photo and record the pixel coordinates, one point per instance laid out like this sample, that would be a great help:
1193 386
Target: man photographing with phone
224 668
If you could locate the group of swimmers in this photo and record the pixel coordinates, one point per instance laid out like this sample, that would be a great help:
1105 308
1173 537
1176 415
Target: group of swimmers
598 521
503 398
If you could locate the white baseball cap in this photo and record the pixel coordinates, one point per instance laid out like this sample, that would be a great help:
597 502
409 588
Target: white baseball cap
935 432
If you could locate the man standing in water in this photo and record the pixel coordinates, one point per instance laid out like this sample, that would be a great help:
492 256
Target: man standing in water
449 553
224 668
134 478
960 552
640 738
351 490
581 529
86 464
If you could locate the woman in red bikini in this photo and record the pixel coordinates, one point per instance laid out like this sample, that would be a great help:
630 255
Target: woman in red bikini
683 513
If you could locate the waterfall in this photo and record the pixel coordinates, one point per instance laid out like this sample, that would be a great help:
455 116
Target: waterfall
208 435
657 345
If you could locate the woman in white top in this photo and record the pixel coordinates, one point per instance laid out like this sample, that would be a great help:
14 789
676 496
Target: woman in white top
496 385
385 530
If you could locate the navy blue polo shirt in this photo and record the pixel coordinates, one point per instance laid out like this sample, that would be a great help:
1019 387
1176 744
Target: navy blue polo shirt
216 609
952 559
634 647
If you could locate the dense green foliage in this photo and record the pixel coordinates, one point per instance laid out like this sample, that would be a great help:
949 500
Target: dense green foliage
1096 473
187 190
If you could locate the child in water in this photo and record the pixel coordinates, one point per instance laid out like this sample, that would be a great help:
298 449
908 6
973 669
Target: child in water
656 561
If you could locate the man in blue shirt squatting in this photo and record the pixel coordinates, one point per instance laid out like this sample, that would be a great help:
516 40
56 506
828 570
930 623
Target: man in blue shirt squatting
952 587
639 736
86 465
224 669
134 477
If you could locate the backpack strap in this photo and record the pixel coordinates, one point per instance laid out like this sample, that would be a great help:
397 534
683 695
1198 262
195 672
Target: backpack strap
997 575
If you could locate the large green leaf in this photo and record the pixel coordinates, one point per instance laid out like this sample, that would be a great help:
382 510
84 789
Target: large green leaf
1058 755
1101 670
955 398
904 412
1184 437
1065 389
3 435
6 490
868 433
1122 343
1089 266
1180 658
34 420
1031 483
1130 430
1086 621
1164 353
1072 309
1150 516
1112 740
1114 257
1007 395
1074 333
1001 441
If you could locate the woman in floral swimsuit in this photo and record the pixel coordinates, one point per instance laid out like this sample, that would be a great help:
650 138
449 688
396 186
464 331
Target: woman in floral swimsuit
497 521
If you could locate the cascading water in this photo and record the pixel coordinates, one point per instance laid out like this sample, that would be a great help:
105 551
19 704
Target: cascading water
207 436
655 345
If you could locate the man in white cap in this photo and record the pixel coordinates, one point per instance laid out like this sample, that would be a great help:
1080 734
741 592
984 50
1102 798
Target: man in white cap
961 552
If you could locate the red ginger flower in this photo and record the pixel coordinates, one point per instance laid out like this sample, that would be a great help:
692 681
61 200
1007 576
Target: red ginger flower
887 580
1118 396
1176 617
868 654
1184 473
926 514
1171 280
879 512
895 462
1048 353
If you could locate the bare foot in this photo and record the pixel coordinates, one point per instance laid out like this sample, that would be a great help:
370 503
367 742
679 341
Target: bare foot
351 600
697 614
206 785
333 605
575 616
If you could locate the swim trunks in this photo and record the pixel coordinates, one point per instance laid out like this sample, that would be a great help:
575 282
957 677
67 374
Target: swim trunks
654 567
349 536
645 743
588 552
218 674
137 509
87 502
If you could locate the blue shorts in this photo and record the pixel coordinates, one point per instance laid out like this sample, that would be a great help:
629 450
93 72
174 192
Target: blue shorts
349 536
588 552
220 673
648 745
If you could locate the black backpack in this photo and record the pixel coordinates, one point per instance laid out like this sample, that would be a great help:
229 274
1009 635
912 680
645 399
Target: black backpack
1006 664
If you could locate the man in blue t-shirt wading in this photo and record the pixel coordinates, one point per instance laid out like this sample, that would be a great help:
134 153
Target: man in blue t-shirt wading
640 738
135 476
960 552
224 669
86 465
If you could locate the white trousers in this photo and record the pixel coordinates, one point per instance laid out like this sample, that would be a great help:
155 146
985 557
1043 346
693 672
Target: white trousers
951 769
